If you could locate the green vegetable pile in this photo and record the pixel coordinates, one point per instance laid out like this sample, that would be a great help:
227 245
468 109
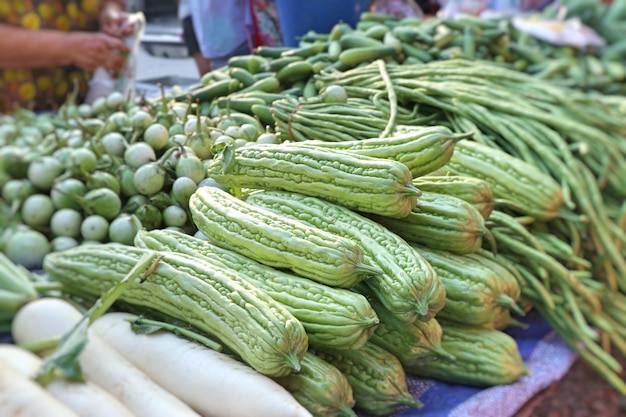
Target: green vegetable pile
427 181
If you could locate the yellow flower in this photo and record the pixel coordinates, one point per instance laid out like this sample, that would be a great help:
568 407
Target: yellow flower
27 91
81 21
31 21
8 75
72 10
61 89
45 11
62 23
90 6
43 82
18 7
5 8
20 75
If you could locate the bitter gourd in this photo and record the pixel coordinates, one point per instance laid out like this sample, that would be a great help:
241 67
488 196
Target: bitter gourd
332 317
515 183
483 358
364 183
254 326
474 190
276 240
477 288
441 221
422 149
321 388
408 285
377 378
413 343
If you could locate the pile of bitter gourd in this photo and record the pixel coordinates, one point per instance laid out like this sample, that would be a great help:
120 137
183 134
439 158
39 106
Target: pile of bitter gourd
454 192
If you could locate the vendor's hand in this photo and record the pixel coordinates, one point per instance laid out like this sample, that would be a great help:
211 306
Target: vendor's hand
89 50
114 21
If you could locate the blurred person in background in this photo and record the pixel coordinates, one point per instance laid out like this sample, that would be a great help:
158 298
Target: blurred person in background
223 28
189 35
48 45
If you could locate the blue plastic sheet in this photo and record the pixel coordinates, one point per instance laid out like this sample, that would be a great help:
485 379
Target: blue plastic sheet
545 354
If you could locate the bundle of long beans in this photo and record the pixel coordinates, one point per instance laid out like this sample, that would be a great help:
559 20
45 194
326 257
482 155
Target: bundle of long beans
299 119
569 266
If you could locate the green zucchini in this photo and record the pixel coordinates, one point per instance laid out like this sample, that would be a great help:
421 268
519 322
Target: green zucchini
359 40
377 31
277 241
277 64
408 285
238 104
250 323
210 91
332 317
264 113
268 85
412 35
295 71
359 55
305 51
251 62
359 182
242 75
483 358
271 51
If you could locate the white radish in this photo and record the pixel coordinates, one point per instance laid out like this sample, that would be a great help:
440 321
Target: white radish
46 318
23 397
212 382
85 398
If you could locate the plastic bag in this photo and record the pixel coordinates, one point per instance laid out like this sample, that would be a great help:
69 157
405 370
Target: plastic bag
487 8
103 83
398 8
571 32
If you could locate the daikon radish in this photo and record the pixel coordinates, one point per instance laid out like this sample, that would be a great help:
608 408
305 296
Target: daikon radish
46 318
212 382
85 398
23 397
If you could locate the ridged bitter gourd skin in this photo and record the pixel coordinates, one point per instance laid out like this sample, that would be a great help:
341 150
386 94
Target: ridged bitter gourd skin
364 183
413 343
422 149
408 285
278 241
441 221
483 358
254 326
321 388
473 190
332 317
478 289
514 182
377 378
